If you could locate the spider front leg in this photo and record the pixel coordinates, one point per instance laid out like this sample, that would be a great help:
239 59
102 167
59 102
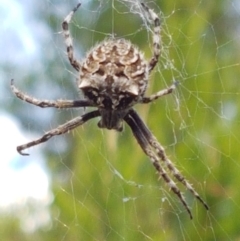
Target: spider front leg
70 125
154 19
68 40
152 141
156 152
143 141
49 103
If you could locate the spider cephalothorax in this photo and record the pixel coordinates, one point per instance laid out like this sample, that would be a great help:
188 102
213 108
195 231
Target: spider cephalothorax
113 78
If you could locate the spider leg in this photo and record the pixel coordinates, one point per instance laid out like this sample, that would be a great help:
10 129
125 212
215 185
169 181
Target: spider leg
162 155
72 124
49 103
139 131
153 18
159 94
68 40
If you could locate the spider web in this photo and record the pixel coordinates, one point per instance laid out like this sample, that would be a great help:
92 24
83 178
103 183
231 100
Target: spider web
104 186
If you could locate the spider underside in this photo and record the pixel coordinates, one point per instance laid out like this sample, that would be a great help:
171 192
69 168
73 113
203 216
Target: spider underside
113 78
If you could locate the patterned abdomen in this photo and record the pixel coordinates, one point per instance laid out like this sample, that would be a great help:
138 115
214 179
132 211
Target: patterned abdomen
115 65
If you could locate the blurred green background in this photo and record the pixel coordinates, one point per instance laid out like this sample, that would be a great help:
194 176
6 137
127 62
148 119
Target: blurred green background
104 187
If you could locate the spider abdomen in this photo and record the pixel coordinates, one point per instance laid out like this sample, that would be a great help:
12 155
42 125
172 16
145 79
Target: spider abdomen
113 69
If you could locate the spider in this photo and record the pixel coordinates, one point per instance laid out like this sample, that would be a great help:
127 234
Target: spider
113 78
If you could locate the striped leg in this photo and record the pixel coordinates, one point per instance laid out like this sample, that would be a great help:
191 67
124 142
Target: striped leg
68 126
49 103
153 18
68 40
156 152
159 94
143 141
